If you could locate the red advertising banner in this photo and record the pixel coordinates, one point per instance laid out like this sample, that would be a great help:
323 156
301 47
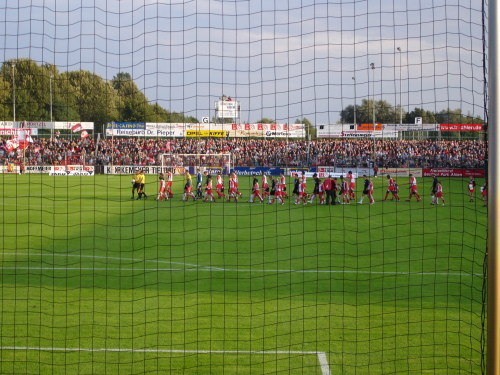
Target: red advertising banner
460 127
440 172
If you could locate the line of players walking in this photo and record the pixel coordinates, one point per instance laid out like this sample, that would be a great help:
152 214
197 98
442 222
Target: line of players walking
331 191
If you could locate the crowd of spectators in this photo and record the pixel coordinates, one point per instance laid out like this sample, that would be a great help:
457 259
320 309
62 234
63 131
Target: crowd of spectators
251 152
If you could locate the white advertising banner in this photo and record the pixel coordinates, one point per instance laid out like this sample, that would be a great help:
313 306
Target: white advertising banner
14 132
131 169
71 170
61 125
417 172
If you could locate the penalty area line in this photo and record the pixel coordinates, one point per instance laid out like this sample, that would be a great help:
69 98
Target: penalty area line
323 361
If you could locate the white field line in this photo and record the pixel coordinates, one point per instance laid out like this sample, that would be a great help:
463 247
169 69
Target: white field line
198 267
323 362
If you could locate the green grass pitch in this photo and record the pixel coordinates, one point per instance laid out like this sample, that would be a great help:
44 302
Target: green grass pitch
93 282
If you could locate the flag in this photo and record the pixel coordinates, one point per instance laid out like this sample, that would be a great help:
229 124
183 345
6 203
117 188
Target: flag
76 128
12 144
84 134
23 137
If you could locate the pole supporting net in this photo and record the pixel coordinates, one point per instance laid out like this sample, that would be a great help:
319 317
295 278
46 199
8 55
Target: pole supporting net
243 187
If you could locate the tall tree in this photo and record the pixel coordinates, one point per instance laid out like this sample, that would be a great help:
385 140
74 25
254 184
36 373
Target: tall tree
309 128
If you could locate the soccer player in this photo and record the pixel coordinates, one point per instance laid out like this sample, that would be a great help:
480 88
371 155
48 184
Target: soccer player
188 187
279 192
484 193
209 191
366 189
232 190
265 186
161 191
321 192
352 185
219 187
199 182
170 180
296 183
413 189
471 187
255 191
434 189
303 179
335 188
283 185
302 193
344 191
235 180
135 183
439 193
272 195
391 188
317 181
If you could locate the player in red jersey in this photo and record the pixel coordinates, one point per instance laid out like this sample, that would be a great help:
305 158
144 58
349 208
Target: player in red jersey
255 191
235 180
321 192
370 192
265 186
484 193
219 187
413 189
302 194
352 185
161 191
439 193
344 191
283 185
392 188
471 188
168 188
209 191
232 190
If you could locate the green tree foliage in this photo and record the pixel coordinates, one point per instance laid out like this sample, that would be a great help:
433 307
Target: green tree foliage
76 96
310 129
385 113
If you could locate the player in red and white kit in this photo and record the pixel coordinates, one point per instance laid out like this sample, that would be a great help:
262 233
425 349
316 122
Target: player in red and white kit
255 191
219 187
161 191
209 191
392 188
352 185
232 190
413 189
283 185
265 186
303 180
302 194
168 188
471 187
370 192
439 193
235 180
321 193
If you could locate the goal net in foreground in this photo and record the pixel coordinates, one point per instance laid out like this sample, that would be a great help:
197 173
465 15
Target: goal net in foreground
97 278
212 163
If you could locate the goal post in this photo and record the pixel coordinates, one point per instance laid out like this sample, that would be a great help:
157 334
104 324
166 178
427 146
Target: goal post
213 163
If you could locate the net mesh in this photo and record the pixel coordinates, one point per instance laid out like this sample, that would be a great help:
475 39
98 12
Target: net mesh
98 277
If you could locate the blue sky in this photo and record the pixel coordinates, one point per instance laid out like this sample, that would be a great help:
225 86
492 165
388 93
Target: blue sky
283 59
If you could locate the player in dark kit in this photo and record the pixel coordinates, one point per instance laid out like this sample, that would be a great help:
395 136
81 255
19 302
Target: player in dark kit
296 184
366 188
434 188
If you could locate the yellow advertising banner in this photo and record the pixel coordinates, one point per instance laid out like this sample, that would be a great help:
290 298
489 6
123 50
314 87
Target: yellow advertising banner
206 133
